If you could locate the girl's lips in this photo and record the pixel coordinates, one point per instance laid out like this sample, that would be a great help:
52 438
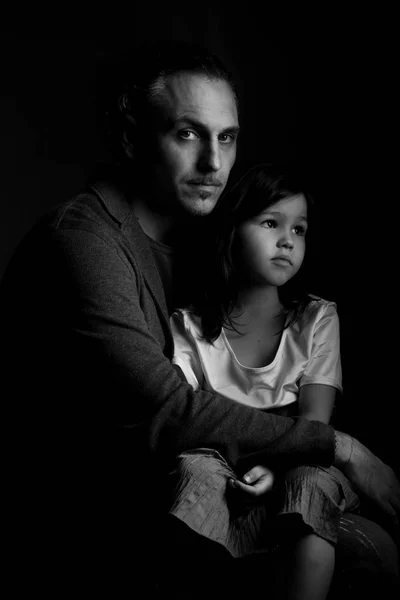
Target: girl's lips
282 259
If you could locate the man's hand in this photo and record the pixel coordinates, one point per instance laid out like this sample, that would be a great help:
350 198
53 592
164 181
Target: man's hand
256 482
369 475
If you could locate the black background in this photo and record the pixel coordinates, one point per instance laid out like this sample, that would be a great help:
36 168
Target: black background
321 91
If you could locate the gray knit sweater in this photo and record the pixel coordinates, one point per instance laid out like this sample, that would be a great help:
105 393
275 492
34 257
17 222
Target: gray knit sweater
85 320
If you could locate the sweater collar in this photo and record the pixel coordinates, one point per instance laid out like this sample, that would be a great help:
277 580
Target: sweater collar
115 202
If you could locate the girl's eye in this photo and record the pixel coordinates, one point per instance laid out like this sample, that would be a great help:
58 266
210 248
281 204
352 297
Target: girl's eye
270 223
300 230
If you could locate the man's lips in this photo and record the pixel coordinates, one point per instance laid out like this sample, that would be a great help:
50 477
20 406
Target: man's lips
204 182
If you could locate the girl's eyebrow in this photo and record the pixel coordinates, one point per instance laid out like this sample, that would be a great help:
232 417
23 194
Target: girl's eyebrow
271 212
279 214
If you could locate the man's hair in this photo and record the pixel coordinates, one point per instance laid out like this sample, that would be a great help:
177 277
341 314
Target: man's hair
261 186
143 84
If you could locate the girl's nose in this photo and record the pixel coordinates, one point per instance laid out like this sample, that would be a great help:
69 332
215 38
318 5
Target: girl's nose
286 242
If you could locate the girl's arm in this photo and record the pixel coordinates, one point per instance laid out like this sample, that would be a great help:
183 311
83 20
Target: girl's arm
316 402
323 375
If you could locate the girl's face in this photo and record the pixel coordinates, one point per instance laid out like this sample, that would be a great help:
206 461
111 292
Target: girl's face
270 247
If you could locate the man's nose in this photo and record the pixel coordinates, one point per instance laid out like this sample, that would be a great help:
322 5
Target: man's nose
210 159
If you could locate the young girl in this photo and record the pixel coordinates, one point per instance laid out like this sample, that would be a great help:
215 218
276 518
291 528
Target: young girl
257 337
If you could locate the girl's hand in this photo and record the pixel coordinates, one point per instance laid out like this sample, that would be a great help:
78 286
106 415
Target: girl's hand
256 482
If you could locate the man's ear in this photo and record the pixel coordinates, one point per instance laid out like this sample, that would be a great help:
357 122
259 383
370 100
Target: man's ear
128 142
129 127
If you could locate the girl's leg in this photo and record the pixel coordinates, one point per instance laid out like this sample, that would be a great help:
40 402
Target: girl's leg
314 500
312 569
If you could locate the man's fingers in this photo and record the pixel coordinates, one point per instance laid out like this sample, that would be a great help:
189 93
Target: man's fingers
391 521
396 504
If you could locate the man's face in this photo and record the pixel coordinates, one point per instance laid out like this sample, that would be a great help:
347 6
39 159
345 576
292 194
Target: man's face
196 143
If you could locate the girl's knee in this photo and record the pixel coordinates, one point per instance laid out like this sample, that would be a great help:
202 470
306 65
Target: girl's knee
315 477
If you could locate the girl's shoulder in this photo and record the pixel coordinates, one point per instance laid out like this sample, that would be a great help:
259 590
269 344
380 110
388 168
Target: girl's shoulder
316 309
317 303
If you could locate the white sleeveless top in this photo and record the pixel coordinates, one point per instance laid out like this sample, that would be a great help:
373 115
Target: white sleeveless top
309 352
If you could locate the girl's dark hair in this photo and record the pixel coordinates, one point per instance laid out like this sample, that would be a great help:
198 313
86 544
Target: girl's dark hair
261 186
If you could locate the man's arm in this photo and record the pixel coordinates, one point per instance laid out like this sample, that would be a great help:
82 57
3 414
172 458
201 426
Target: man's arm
79 343
109 324
115 348
370 476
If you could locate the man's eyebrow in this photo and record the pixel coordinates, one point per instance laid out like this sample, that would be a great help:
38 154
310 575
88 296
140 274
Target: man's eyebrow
234 129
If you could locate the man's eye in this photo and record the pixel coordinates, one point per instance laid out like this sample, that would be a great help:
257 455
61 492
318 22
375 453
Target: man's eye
227 138
187 134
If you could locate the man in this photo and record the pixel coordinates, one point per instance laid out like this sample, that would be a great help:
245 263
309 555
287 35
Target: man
84 309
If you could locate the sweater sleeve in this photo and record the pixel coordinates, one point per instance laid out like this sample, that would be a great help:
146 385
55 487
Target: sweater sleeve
108 351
